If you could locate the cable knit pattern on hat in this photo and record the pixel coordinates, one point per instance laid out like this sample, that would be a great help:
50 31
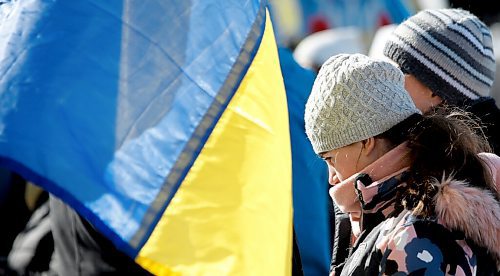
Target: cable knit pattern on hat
449 50
354 98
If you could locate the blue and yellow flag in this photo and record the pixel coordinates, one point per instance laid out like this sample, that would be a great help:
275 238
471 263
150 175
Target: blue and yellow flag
164 123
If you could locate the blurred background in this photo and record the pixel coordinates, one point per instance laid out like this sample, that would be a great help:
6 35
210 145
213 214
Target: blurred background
317 29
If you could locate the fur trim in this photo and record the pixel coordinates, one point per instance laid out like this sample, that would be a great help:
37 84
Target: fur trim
472 210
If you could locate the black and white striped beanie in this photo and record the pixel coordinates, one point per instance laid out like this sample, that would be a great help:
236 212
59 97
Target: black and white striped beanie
448 50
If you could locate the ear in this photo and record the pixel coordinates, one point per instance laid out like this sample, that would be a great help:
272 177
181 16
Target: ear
427 91
368 145
431 96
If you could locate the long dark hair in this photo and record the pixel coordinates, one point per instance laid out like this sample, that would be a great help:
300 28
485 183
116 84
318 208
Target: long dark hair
443 143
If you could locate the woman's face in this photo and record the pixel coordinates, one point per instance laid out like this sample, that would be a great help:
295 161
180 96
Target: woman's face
342 164
347 161
421 95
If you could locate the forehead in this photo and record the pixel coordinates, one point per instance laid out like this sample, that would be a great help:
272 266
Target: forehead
330 152
339 150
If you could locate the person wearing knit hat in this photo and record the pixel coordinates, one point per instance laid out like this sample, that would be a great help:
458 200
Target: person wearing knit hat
367 90
447 57
384 160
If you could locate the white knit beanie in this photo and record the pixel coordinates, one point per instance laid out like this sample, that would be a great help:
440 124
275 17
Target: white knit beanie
355 97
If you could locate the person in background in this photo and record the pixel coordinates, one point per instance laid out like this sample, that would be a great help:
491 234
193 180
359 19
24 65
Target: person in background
447 58
14 211
420 190
80 249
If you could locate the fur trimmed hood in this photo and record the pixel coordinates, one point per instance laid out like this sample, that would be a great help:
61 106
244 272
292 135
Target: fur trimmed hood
472 210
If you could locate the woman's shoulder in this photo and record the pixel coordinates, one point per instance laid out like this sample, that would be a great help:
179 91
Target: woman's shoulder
493 162
397 232
409 244
492 159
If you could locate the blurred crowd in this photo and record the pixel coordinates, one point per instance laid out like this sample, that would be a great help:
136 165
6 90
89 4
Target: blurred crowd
315 30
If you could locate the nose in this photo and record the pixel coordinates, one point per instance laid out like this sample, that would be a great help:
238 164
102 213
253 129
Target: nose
332 176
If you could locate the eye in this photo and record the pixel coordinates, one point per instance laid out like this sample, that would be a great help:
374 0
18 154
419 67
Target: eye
328 160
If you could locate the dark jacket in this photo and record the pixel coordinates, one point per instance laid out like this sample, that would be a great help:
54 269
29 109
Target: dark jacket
487 111
32 251
396 241
342 240
81 250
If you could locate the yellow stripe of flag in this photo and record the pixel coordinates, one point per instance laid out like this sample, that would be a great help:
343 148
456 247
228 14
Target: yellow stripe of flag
232 215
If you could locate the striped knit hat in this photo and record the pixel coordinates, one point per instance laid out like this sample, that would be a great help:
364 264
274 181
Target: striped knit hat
448 50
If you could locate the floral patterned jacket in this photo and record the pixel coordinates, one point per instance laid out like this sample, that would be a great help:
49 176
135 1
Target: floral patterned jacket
463 238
